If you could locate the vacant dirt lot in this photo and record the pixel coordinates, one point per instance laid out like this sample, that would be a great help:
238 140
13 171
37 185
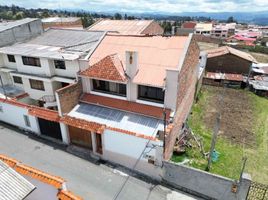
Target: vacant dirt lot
236 114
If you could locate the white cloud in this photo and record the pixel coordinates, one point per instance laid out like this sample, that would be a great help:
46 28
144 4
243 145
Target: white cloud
174 6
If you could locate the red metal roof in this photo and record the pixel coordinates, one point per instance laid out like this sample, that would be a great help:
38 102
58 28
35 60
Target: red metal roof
224 76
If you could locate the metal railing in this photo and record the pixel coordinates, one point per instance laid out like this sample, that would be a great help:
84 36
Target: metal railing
257 191
48 98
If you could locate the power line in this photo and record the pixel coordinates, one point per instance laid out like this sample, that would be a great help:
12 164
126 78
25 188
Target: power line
137 161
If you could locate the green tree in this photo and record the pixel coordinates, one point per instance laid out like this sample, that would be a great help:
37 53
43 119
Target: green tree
117 16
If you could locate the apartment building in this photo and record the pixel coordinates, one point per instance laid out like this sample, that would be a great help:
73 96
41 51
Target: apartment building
223 31
203 28
48 62
133 99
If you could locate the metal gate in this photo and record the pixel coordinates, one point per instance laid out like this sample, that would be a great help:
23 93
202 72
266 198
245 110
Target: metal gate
258 191
49 128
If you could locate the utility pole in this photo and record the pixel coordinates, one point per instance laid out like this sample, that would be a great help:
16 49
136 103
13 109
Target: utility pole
214 138
165 123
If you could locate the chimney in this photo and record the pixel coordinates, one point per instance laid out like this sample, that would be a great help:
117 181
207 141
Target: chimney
131 63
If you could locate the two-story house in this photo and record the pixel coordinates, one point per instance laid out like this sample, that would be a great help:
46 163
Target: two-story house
48 62
132 99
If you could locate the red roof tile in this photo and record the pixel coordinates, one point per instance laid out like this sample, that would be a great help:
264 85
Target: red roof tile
55 181
14 102
108 68
39 175
67 195
224 76
188 25
44 113
128 106
83 124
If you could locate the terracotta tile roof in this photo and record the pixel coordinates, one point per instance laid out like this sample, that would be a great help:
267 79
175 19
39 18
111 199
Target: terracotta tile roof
10 161
41 176
44 113
55 181
226 50
14 102
128 106
108 68
67 195
189 25
132 133
155 54
83 124
224 76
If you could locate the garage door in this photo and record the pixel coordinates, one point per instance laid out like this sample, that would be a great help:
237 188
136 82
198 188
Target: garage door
80 137
50 129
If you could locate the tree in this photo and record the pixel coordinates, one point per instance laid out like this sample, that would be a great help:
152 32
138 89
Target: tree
230 20
117 16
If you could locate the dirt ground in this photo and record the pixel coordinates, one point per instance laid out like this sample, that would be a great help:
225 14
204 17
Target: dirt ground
236 114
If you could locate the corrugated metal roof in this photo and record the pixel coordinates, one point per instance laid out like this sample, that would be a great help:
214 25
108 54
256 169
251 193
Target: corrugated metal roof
57 44
8 25
126 27
12 185
118 119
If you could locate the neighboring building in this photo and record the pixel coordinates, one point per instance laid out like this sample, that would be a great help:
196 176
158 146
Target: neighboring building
203 28
223 31
128 27
20 30
258 81
62 22
19 181
229 61
46 63
129 85
190 25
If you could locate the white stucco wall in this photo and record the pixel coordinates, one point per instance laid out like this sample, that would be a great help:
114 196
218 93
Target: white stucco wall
37 94
171 89
14 115
72 67
127 145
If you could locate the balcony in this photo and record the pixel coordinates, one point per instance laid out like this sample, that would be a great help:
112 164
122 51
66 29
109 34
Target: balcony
49 100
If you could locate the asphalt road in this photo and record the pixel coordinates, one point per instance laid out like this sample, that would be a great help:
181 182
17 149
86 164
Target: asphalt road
90 180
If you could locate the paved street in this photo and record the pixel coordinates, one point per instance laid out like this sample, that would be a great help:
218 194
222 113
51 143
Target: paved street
89 180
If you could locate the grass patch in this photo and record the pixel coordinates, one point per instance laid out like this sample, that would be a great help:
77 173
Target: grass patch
229 163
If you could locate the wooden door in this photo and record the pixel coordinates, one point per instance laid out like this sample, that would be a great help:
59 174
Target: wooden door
80 137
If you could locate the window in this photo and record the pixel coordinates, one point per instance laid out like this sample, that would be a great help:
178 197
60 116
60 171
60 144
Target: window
38 85
31 61
26 121
59 64
17 79
109 87
151 94
11 58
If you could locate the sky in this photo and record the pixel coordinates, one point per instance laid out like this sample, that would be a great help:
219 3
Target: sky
168 6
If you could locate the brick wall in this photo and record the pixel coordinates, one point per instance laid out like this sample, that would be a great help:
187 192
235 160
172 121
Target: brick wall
186 91
69 96
77 23
228 64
